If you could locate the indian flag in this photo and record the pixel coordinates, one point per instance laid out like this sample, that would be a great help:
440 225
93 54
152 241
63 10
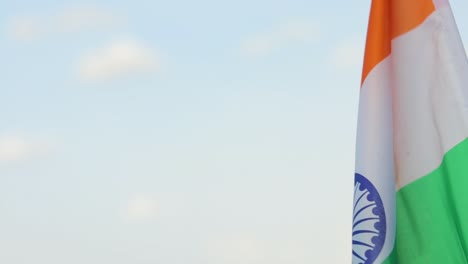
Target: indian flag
411 181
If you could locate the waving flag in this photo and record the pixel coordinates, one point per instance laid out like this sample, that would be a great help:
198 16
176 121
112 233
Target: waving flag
411 181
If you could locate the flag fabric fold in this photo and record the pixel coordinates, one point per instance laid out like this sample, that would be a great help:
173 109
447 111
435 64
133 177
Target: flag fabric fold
411 181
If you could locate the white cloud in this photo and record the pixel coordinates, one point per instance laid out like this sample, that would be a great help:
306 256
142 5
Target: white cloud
348 54
118 58
16 148
72 20
141 208
13 148
265 43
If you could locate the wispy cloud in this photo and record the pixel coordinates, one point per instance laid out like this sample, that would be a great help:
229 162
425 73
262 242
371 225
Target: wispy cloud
24 28
265 43
141 207
66 21
118 58
348 54
16 148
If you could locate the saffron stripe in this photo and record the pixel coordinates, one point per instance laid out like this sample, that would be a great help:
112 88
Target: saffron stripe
388 20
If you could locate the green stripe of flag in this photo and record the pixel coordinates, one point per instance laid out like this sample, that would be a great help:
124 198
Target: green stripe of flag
432 214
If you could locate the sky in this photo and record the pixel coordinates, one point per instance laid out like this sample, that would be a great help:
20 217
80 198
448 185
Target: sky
179 132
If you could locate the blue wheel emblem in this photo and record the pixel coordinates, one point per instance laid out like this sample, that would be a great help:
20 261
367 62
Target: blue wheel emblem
369 224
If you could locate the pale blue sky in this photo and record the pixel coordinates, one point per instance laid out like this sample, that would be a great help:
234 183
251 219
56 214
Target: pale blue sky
179 132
